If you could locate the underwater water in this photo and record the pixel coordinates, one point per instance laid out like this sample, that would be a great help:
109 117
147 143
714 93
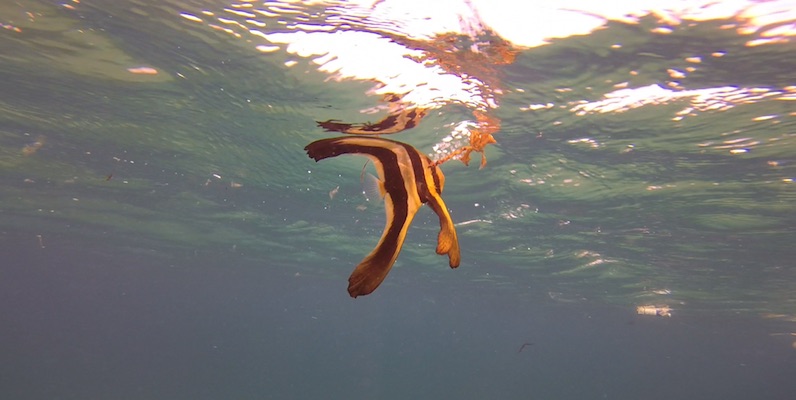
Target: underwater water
164 235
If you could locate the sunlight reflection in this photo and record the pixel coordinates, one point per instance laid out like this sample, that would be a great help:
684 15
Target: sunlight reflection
432 54
709 99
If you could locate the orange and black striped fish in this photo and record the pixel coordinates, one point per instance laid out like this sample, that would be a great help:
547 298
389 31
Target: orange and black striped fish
407 179
395 122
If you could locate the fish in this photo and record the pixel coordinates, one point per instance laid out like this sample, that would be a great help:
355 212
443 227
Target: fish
407 180
399 118
393 123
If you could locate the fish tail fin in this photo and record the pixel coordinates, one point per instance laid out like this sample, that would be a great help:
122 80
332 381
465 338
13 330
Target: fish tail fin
373 187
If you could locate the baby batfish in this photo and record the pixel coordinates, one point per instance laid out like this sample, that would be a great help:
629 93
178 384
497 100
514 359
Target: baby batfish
409 179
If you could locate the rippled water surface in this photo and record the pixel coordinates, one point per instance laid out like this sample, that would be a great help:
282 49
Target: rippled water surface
164 234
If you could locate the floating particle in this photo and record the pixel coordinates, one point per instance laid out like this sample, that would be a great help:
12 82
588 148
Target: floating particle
143 70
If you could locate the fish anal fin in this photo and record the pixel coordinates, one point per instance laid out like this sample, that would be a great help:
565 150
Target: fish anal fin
370 273
367 276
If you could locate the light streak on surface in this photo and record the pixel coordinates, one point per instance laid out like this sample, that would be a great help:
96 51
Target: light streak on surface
430 54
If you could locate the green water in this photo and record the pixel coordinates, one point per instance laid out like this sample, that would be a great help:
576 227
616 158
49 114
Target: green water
166 236
156 160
